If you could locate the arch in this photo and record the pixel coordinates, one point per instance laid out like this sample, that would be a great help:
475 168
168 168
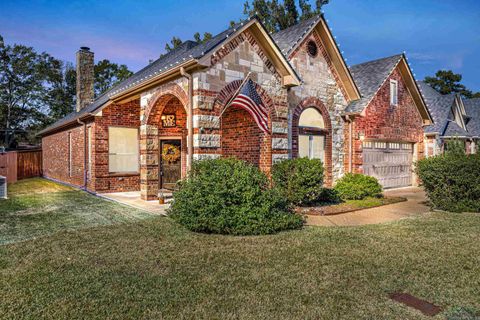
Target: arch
227 92
325 129
161 97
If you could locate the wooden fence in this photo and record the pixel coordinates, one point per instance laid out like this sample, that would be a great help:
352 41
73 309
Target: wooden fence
18 165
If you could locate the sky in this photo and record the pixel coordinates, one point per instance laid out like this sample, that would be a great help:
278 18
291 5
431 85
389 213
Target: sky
435 34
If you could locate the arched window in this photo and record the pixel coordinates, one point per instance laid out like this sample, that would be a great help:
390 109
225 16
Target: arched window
311 135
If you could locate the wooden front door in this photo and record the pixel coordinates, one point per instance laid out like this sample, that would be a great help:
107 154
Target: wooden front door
170 163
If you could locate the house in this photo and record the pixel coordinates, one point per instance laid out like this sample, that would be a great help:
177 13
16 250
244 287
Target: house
455 118
144 134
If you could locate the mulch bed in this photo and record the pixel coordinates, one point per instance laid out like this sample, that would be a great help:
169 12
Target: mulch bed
348 206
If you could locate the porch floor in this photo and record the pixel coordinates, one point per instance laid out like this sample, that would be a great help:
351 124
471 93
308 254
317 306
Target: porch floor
133 199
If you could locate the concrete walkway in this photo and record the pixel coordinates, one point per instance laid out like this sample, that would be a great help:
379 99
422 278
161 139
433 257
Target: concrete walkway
133 199
414 205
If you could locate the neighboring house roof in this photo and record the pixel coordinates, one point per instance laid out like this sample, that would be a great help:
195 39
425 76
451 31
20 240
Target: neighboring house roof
289 39
369 77
472 107
188 52
439 105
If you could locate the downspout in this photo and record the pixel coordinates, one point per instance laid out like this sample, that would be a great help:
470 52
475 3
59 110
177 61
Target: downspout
190 117
84 153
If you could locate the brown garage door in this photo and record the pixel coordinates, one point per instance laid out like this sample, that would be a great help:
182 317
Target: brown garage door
389 162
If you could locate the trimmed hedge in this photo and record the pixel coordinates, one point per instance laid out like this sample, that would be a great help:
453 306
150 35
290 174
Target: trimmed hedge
299 180
229 196
356 186
452 181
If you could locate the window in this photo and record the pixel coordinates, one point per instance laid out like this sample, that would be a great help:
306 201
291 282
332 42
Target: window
311 138
393 92
123 150
312 49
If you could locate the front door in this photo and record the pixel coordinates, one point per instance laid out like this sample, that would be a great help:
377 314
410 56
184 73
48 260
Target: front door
170 163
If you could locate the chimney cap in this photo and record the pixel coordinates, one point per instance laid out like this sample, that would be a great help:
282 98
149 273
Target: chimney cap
85 48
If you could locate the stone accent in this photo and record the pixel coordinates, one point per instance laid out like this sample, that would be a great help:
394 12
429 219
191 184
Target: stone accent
276 158
279 127
206 122
280 144
205 156
206 140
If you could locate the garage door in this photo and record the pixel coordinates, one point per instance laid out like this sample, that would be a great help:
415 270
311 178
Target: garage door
389 162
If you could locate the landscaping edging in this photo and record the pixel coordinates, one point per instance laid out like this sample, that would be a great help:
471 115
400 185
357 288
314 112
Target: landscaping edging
317 211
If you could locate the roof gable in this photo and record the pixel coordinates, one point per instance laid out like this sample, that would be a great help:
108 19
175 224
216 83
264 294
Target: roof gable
370 77
289 40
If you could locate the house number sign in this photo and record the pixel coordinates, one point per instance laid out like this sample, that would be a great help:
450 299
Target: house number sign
168 121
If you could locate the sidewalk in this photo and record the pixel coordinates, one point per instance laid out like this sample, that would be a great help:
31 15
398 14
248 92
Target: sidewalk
414 205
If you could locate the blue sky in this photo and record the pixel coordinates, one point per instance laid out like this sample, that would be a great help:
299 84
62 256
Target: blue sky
434 33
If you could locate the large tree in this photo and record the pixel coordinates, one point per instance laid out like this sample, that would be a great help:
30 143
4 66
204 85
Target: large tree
24 76
108 74
446 82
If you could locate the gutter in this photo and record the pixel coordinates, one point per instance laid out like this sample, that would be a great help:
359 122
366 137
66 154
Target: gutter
190 117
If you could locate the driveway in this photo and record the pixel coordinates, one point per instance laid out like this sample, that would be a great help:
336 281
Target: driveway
414 205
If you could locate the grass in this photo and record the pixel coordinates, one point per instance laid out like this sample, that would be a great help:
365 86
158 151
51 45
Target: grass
154 269
349 205
38 207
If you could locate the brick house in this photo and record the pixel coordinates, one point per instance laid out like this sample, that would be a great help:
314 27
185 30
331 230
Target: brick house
454 117
143 134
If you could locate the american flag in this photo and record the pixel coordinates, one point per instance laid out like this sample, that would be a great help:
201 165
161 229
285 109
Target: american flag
249 100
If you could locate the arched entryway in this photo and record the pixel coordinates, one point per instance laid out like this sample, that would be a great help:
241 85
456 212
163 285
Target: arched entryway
311 134
241 136
165 146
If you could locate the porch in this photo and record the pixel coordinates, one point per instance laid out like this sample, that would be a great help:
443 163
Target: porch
133 199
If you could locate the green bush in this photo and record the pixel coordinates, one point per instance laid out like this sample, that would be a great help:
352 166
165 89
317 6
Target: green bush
229 196
299 180
452 181
355 186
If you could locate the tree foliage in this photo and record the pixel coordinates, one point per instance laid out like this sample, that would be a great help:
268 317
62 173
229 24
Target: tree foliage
37 89
108 74
278 16
446 82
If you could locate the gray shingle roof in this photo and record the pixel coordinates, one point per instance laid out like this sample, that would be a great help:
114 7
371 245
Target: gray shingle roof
187 51
288 39
439 106
452 129
472 107
369 76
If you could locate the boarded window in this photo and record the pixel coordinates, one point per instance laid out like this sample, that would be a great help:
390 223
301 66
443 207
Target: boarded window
123 150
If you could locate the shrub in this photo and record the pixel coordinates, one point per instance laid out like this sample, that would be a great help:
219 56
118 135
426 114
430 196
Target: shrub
229 196
299 180
355 186
452 181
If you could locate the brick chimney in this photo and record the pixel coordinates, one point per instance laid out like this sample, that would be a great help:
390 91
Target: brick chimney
85 78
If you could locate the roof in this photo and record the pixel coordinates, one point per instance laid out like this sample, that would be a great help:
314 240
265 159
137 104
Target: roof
187 51
288 39
452 129
472 107
369 77
439 106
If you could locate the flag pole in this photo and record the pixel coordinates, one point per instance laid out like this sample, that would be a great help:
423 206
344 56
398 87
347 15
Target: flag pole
247 77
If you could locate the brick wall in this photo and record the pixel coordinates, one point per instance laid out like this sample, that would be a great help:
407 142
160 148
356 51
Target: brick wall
241 136
382 121
57 162
124 115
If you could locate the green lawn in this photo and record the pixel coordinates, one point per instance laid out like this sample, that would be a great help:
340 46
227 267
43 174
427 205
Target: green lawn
154 269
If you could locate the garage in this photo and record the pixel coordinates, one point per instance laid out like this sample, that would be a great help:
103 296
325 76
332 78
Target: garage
390 162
